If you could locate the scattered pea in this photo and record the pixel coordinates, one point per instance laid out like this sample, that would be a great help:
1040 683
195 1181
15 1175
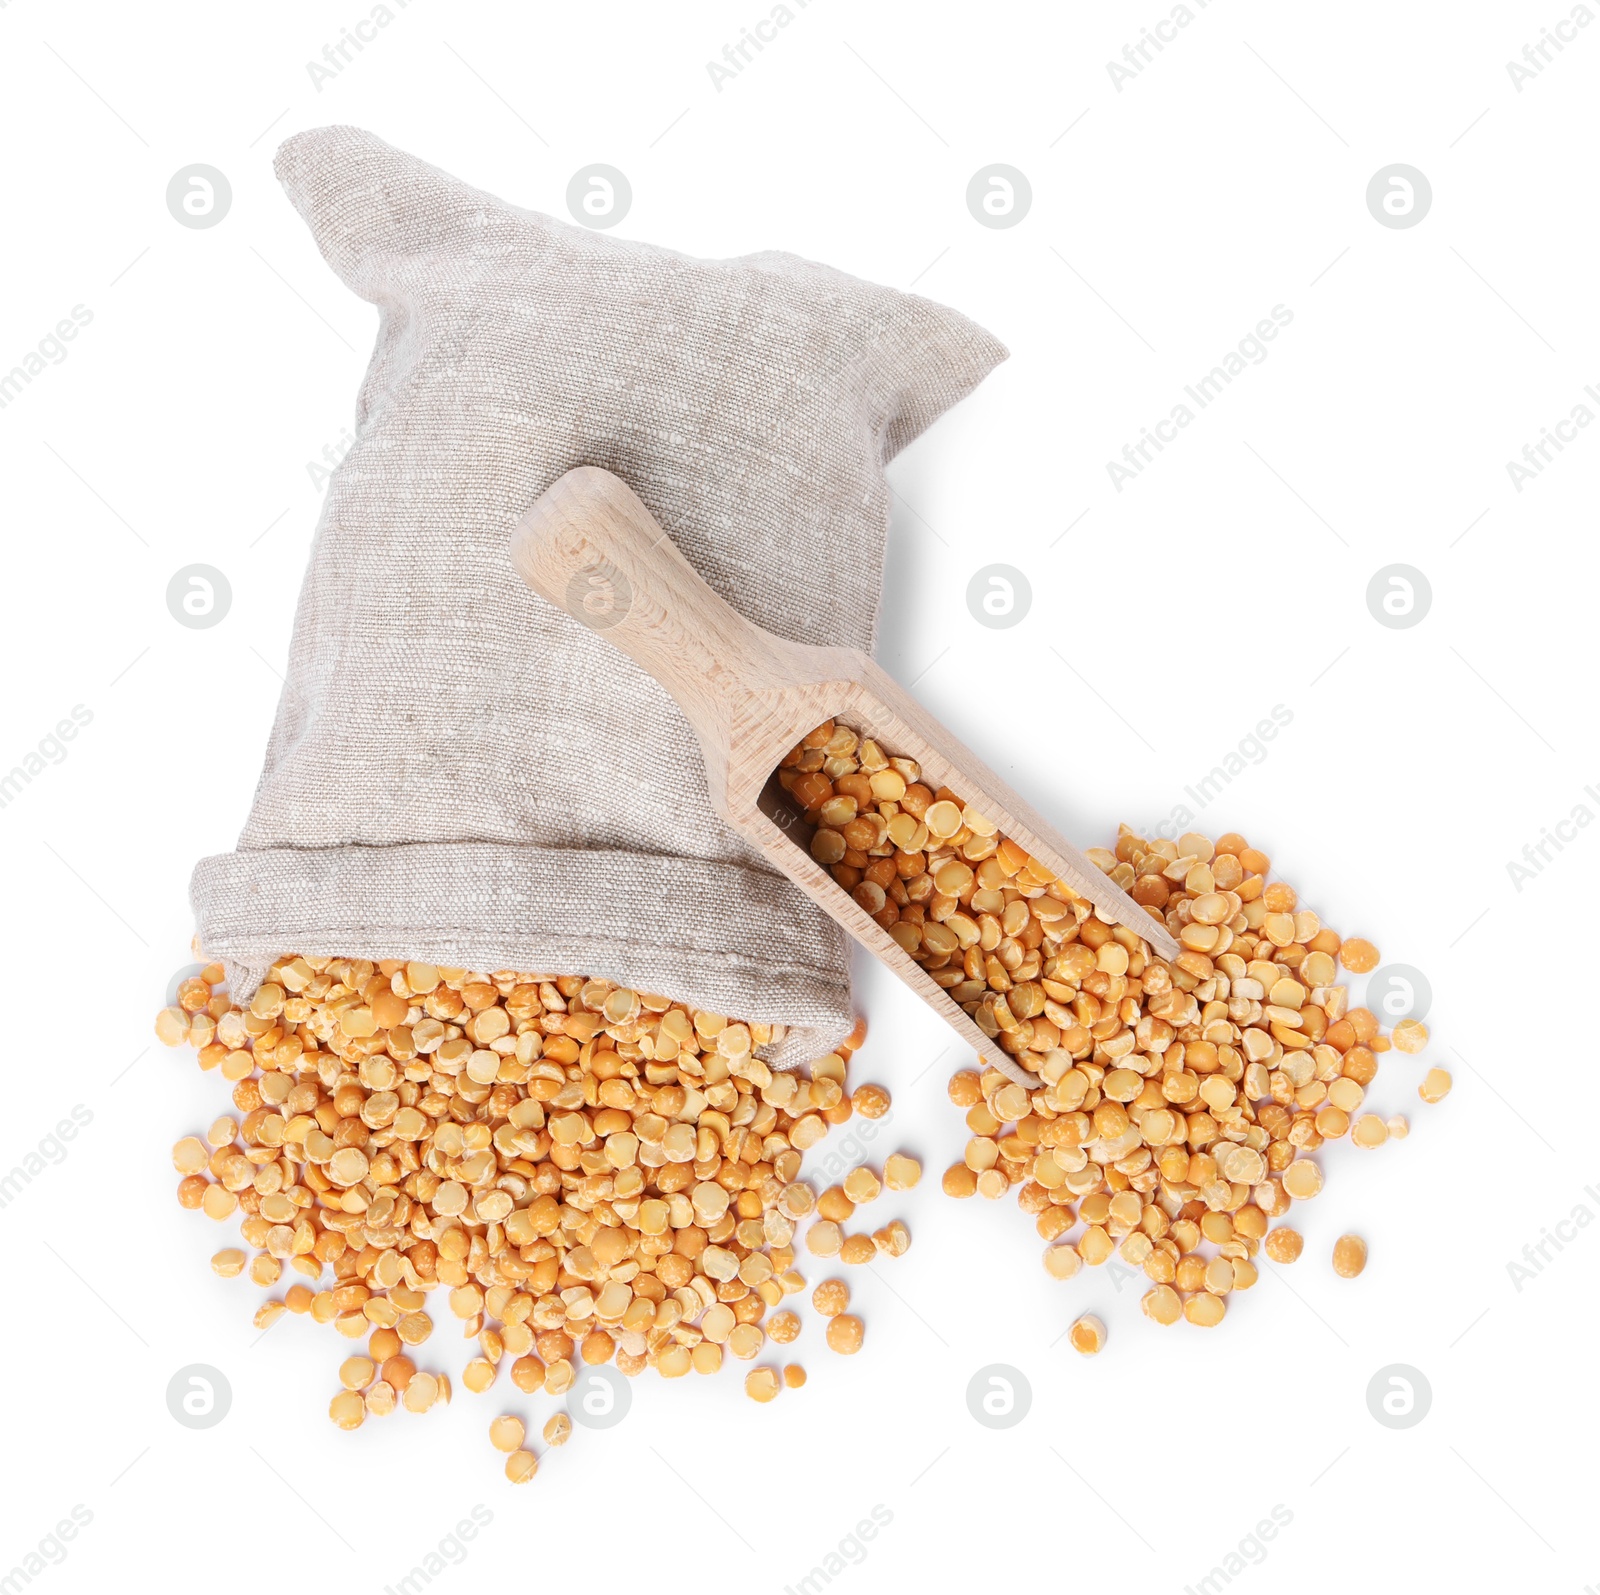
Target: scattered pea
1303 1179
901 1171
993 1184
348 1410
1087 1335
831 1297
761 1384
1359 956
870 1101
421 1393
218 1202
1349 1256
1163 1304
527 1374
1369 1131
862 1185
960 1181
356 1373
745 1341
189 1156
845 1334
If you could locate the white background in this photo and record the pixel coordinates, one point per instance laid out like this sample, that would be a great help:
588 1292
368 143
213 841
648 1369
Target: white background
1168 217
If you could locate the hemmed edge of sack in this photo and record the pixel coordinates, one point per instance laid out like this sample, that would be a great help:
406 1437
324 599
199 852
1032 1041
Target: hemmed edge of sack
760 951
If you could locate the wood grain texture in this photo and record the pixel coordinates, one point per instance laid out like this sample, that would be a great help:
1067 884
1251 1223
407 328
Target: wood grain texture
592 548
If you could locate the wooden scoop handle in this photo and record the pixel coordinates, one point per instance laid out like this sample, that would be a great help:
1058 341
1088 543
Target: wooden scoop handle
590 547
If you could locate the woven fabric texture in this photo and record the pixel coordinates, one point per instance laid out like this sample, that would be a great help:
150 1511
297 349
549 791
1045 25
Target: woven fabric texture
458 772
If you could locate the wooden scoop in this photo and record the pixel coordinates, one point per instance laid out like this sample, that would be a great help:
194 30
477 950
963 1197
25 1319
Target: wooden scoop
591 548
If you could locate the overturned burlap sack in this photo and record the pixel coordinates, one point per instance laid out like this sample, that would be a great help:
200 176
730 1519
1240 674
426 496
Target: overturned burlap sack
459 772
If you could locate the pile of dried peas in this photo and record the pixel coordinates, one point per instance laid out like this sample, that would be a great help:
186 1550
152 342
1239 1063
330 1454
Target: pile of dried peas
1178 1101
594 1174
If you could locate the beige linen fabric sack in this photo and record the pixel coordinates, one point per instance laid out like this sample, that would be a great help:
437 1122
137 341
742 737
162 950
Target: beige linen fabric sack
460 773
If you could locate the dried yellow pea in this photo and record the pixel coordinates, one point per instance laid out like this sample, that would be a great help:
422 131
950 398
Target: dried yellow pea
845 1334
1087 1335
761 1384
1349 1256
348 1410
1369 1131
901 1171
